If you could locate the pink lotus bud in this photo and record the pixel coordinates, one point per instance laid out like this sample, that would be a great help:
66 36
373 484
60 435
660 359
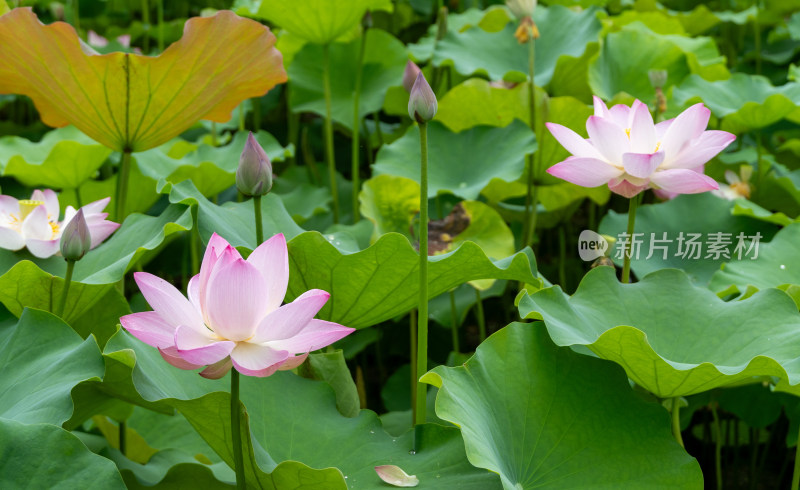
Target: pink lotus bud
76 239
422 104
410 75
254 175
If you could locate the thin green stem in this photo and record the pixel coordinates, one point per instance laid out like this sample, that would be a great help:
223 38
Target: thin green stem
531 195
796 474
676 420
757 36
562 257
123 437
481 317
294 126
236 432
530 207
241 117
122 185
378 130
412 324
454 322
76 15
194 247
146 22
256 114
160 15
329 154
422 319
259 225
78 199
633 203
356 144
214 138
62 301
717 446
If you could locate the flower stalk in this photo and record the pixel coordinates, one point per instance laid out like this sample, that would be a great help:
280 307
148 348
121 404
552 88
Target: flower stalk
329 154
62 301
422 318
676 420
633 204
122 185
236 432
356 143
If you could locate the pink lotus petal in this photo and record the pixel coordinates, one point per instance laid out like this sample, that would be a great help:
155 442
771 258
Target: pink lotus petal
643 131
701 150
9 206
50 199
197 348
683 181
42 248
625 188
688 125
661 129
271 258
257 360
620 115
395 476
289 319
37 226
642 165
170 304
609 138
150 328
193 291
585 172
600 109
234 302
99 232
10 239
572 141
96 207
316 335
218 253
218 369
171 355
293 362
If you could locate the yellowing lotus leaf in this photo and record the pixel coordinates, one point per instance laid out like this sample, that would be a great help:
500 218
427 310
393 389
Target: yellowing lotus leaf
131 102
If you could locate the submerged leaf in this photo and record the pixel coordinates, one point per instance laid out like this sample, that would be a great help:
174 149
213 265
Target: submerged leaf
132 102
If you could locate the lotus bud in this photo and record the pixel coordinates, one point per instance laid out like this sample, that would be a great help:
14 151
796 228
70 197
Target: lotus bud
254 175
521 8
422 103
410 75
366 21
657 78
76 239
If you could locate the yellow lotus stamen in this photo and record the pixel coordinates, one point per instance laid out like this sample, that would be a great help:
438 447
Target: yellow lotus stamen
658 145
55 228
26 206
628 132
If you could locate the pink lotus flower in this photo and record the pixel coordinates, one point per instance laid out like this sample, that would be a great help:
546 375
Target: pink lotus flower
233 316
34 223
630 153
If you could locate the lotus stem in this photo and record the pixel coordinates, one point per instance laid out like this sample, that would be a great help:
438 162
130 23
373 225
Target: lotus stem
454 322
123 437
378 130
796 473
294 126
531 197
562 256
76 14
122 185
757 36
236 433
480 315
412 324
356 126
78 199
62 301
329 155
717 446
160 15
146 22
256 114
676 420
633 203
259 225
214 139
422 318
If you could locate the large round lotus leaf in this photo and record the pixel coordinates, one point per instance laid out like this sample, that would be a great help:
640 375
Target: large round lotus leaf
384 61
619 68
563 32
777 264
42 359
545 417
390 203
64 158
422 51
674 338
694 251
46 456
382 281
476 102
460 163
318 21
744 102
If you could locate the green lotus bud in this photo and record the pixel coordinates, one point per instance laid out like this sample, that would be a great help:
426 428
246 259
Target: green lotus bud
422 103
76 239
657 78
254 175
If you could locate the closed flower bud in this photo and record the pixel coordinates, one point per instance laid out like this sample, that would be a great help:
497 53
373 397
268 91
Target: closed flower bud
76 239
254 175
410 75
422 104
521 8
657 78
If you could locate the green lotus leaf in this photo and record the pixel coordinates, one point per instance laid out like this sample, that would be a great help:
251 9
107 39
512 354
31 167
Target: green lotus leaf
563 32
460 163
526 407
46 456
422 50
64 158
694 253
571 76
90 309
743 102
618 68
42 359
331 368
674 338
384 61
318 21
743 207
381 282
776 265
390 203
476 103
211 169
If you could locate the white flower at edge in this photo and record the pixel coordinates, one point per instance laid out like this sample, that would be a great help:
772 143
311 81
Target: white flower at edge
34 223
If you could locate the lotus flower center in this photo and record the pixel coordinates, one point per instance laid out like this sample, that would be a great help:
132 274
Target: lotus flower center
628 132
26 206
56 229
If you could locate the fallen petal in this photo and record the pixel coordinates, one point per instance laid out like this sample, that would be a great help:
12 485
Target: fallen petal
394 475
